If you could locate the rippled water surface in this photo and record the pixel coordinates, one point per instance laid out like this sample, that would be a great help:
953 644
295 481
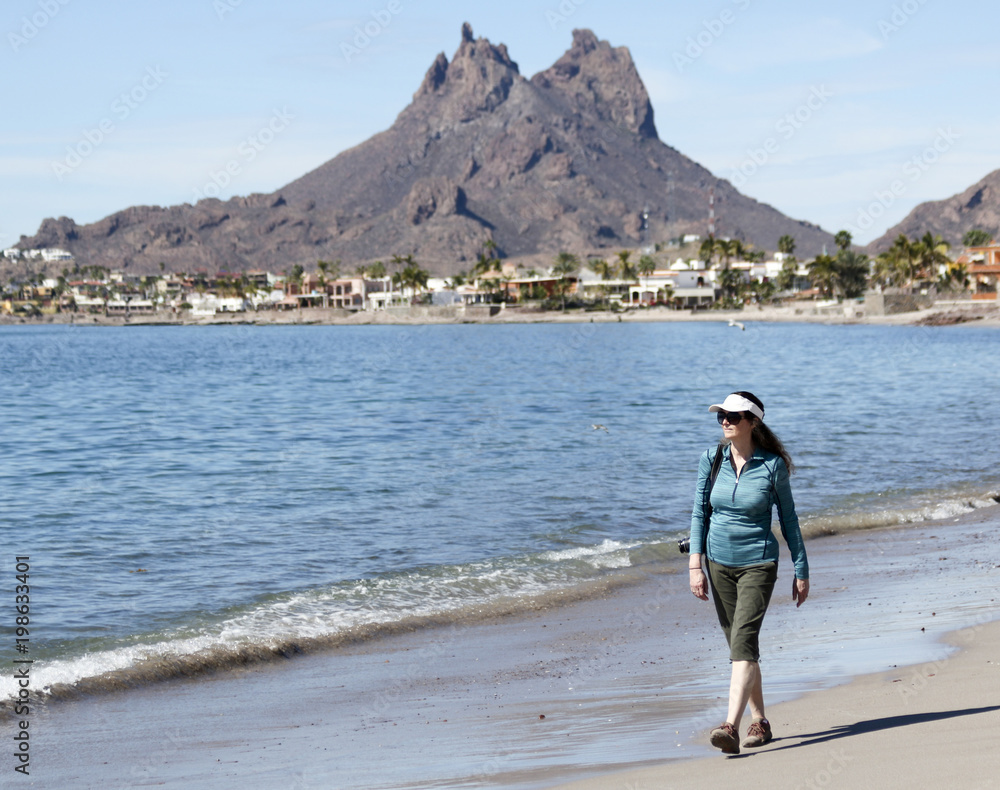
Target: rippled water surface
214 488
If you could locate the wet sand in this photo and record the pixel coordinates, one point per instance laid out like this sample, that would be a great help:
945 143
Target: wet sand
629 680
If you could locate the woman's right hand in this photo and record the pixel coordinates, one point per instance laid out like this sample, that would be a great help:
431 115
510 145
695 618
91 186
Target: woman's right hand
699 584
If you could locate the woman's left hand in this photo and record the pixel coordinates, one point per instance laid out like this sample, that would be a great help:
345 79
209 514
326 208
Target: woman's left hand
800 591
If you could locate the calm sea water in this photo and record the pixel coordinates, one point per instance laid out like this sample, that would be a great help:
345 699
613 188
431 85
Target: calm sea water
191 497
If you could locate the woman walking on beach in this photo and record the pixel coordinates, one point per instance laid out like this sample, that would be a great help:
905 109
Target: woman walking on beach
738 485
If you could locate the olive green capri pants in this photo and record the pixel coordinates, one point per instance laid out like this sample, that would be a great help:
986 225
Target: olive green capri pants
741 597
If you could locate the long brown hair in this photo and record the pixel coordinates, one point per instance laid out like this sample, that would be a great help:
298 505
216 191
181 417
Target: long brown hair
762 436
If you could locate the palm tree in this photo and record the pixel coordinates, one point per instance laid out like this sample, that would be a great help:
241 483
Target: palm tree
566 266
764 289
397 279
977 238
852 272
605 271
896 265
707 250
731 248
414 277
886 271
730 280
786 277
295 276
724 248
786 245
931 252
376 271
842 239
647 265
487 264
410 275
823 273
626 270
903 255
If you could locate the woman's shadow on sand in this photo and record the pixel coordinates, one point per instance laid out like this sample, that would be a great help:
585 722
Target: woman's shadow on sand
874 725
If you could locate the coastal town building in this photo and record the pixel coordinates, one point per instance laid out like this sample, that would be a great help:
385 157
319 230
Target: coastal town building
984 270
683 284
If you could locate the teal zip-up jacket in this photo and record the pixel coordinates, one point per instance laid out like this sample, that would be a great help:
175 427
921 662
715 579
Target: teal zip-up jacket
740 530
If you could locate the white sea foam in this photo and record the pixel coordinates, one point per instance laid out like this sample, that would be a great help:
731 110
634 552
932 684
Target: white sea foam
313 615
605 548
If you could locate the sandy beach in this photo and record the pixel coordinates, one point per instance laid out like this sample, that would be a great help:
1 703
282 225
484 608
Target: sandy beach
615 690
965 313
929 725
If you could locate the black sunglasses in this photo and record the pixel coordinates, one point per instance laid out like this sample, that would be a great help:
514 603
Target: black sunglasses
733 417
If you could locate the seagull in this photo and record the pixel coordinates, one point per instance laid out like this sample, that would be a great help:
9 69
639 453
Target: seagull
600 428
737 323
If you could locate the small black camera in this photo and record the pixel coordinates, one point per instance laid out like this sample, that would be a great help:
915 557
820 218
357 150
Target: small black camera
684 545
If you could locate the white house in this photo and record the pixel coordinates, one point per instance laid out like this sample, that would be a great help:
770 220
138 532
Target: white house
691 288
210 304
55 254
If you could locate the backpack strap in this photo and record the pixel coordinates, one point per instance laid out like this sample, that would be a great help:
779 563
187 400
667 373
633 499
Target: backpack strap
707 507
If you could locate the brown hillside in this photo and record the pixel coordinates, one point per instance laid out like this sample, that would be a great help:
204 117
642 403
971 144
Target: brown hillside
978 207
567 160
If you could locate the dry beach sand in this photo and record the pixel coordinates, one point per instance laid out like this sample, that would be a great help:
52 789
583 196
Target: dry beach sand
614 690
966 312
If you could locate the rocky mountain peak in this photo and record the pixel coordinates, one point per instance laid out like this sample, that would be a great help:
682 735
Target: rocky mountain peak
566 161
596 78
477 80
584 41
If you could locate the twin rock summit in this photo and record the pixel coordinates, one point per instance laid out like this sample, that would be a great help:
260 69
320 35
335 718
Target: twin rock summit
566 160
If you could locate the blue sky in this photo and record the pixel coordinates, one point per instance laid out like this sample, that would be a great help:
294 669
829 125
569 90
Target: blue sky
846 114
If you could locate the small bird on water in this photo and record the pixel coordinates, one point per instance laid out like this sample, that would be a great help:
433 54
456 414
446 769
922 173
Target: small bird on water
737 323
597 427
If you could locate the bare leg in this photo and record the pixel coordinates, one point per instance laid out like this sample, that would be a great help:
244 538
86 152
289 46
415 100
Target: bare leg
745 686
757 694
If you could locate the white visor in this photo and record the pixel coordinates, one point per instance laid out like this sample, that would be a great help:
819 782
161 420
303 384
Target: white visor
738 403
